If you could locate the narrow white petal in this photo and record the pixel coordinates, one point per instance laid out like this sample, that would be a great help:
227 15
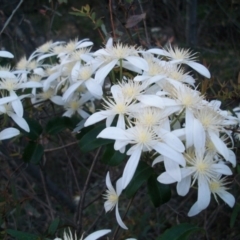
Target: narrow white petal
94 88
140 78
17 107
119 186
232 158
6 54
171 140
138 62
5 100
189 123
131 167
31 85
158 51
21 122
71 90
6 74
113 133
119 219
204 193
158 160
116 92
166 178
102 72
172 168
183 186
199 136
222 168
227 198
97 117
194 210
50 79
9 133
97 234
167 151
57 100
45 56
151 100
199 68
109 183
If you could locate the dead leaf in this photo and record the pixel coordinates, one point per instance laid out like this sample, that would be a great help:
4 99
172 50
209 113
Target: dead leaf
134 20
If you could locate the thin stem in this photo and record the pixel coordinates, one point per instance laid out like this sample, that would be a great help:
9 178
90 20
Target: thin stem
83 195
111 18
121 70
145 24
9 19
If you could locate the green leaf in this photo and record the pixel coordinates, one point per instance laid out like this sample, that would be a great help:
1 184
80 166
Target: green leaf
53 226
98 23
22 235
179 232
90 141
33 152
35 129
93 16
159 193
62 1
234 215
58 124
112 157
143 172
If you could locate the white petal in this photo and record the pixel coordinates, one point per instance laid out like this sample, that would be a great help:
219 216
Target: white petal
109 183
199 136
199 68
6 54
204 193
94 88
166 178
183 186
57 100
102 72
221 168
9 133
119 219
194 210
165 150
158 160
17 106
50 79
138 62
6 74
21 122
45 56
219 144
158 51
119 186
227 198
172 168
113 133
97 234
151 100
97 117
30 85
189 128
171 140
232 158
71 90
130 167
5 100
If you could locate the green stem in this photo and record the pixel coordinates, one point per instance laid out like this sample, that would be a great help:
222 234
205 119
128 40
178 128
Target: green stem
121 70
177 118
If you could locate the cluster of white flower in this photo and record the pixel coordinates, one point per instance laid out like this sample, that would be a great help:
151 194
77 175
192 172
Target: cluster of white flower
156 103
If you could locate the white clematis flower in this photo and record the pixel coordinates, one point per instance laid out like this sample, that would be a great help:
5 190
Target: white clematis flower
112 198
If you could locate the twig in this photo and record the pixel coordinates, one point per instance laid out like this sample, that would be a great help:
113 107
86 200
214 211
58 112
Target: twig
9 19
71 166
58 148
111 18
78 218
145 24
46 194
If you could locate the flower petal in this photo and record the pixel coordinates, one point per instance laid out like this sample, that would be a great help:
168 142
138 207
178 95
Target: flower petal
119 219
199 68
97 234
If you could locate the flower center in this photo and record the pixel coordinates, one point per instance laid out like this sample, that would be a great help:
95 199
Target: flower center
120 108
